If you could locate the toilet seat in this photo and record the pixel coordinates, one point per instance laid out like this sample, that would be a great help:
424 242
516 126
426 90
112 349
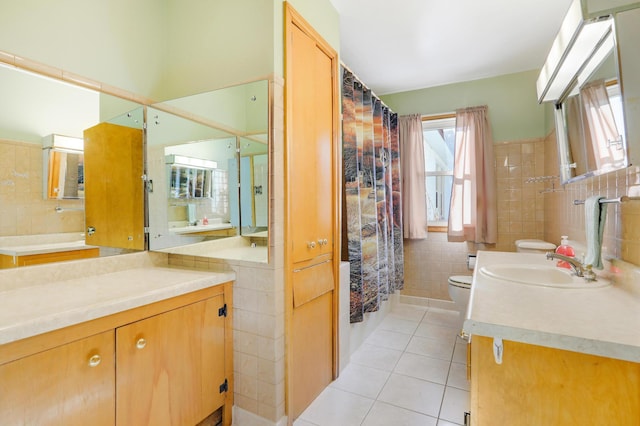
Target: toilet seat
461 281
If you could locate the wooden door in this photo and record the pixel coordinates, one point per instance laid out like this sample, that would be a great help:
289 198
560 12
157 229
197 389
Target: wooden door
171 366
67 385
114 189
312 212
311 153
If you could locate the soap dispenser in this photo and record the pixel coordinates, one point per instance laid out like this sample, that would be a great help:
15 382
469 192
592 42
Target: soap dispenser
565 249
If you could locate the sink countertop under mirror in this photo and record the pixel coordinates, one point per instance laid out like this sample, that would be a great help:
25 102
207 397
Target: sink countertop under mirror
519 297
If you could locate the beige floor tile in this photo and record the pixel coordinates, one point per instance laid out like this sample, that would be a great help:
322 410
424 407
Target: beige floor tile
337 407
422 367
383 414
361 380
413 394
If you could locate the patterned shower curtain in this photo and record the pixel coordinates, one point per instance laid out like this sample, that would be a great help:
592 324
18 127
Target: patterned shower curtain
373 222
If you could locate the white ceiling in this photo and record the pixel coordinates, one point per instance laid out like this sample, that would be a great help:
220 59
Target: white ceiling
400 45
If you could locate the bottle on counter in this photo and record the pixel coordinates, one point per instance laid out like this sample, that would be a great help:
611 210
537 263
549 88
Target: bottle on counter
565 249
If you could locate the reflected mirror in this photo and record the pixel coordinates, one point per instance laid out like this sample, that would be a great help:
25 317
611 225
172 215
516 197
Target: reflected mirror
188 164
42 210
208 160
590 118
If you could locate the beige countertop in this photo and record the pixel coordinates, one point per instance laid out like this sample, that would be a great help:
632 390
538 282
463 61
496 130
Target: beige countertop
37 308
602 321
53 247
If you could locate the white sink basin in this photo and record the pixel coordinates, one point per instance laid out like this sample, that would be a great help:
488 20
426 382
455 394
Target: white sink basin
541 275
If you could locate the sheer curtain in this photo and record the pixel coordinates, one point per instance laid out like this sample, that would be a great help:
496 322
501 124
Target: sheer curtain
414 198
472 215
601 130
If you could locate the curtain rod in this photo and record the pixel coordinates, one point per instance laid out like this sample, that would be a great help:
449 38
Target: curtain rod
622 199
342 64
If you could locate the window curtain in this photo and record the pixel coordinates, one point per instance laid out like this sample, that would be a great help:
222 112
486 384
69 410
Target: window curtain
372 221
414 198
472 214
601 132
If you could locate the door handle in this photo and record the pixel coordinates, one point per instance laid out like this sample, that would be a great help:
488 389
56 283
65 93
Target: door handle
91 230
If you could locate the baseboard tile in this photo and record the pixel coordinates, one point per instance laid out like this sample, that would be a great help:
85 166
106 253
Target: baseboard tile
428 302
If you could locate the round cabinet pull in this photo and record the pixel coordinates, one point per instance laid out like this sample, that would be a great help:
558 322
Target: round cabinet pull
141 343
94 361
325 241
311 245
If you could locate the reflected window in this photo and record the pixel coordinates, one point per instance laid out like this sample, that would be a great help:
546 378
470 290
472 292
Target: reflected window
439 149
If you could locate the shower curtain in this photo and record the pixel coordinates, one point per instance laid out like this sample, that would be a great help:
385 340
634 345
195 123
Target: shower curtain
372 203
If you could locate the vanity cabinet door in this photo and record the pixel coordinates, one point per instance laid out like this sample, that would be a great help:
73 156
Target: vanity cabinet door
536 385
72 384
171 366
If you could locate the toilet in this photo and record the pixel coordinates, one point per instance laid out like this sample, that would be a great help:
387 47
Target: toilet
459 290
534 246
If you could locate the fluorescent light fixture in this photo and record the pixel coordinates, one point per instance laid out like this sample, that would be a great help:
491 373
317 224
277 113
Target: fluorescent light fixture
576 42
194 163
63 142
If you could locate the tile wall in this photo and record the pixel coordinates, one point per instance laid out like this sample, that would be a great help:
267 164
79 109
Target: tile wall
429 262
622 228
23 211
258 302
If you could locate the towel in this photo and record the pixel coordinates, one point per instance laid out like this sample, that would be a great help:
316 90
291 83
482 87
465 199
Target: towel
595 216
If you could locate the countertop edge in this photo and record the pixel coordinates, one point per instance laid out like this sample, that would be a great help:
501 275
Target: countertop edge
555 341
84 313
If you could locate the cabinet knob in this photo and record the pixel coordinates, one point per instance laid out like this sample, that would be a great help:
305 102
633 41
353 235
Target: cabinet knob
141 343
95 360
311 244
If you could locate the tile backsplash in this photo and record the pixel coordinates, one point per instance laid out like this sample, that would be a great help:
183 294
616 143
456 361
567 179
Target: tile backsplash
621 237
23 211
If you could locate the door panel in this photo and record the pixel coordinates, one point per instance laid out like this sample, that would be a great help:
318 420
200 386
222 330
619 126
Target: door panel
114 197
303 148
311 282
312 352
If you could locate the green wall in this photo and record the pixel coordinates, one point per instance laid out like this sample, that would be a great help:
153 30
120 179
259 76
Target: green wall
513 107
119 42
161 49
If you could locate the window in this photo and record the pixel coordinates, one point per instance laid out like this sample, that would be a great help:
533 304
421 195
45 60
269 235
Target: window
439 150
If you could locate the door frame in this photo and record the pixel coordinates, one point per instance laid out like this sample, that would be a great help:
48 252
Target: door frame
293 18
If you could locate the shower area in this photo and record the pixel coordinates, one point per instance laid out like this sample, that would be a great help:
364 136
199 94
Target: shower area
372 205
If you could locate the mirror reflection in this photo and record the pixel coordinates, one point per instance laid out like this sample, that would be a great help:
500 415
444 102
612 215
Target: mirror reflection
254 182
590 118
42 210
208 159
188 164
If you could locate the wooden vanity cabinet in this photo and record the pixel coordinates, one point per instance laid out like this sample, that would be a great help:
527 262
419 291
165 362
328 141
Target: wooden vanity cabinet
537 385
66 385
167 363
167 376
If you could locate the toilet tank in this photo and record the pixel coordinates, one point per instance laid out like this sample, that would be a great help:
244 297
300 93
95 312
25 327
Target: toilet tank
534 246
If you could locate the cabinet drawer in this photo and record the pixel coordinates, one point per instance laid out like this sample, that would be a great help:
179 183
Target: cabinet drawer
311 282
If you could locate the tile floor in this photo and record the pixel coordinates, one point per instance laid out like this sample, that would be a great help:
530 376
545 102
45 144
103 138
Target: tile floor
411 371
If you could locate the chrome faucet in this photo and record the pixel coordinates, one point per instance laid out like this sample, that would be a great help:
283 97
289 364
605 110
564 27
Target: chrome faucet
579 269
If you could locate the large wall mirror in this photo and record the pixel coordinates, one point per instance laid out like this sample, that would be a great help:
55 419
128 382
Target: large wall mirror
208 163
46 171
590 122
